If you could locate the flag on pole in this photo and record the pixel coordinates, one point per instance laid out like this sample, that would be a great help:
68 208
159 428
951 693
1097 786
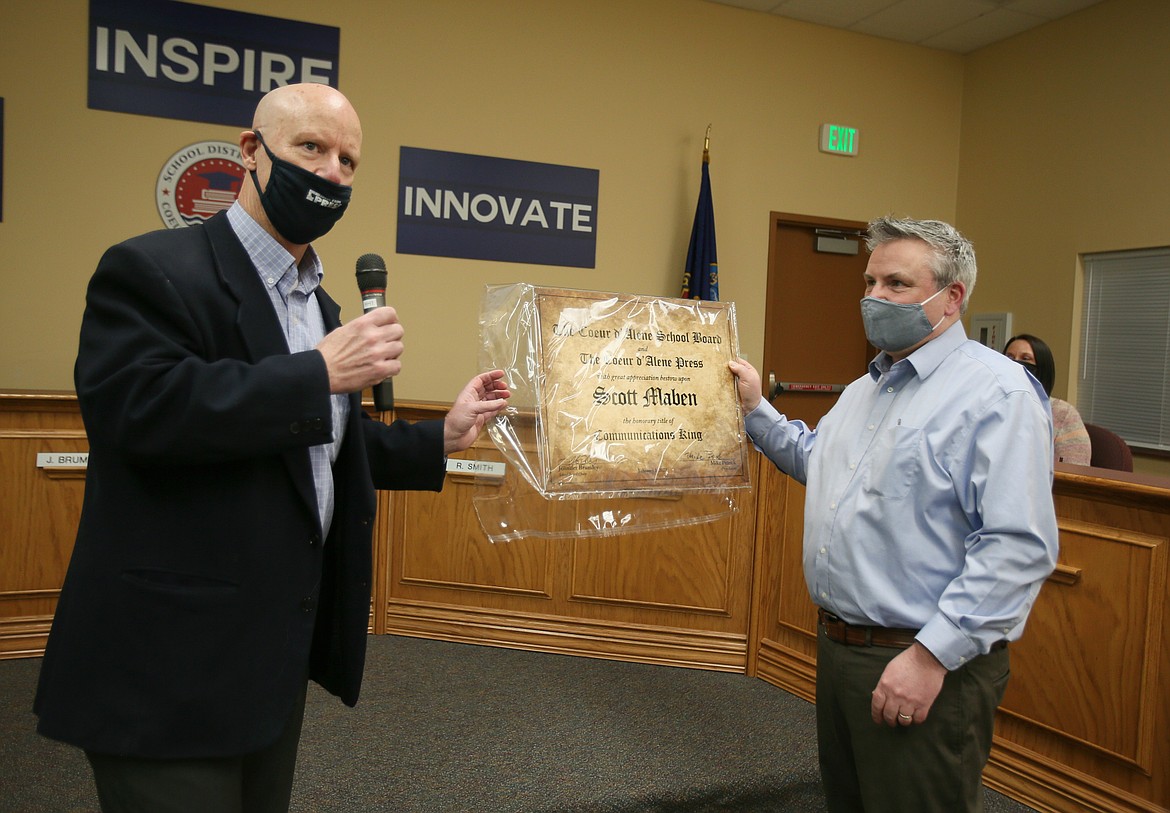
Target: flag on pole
701 276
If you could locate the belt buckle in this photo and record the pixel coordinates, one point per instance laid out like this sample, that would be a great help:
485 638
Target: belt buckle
835 629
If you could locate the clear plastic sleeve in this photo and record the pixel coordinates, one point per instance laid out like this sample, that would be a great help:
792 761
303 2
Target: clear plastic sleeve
620 402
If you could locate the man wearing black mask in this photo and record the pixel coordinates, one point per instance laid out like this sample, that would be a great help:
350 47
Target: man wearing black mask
223 556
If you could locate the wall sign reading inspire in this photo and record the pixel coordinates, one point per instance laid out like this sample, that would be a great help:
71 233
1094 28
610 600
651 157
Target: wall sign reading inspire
196 63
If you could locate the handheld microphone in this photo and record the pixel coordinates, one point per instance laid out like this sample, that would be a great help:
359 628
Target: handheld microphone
371 280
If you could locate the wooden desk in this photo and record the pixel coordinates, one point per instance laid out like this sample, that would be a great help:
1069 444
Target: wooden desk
38 521
1085 724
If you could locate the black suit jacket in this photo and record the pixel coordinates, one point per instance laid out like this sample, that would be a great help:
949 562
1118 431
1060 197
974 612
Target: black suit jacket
200 590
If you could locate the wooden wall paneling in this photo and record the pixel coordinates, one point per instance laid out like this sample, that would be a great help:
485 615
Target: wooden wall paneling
442 546
439 543
785 637
677 595
1084 723
1105 701
687 569
445 578
38 523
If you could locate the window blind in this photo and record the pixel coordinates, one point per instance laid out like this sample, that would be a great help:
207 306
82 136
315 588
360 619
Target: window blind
1124 377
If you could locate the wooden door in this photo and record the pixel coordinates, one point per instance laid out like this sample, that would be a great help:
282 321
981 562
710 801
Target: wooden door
814 341
813 336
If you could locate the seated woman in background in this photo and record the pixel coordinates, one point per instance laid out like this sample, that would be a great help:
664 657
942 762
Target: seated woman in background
1072 439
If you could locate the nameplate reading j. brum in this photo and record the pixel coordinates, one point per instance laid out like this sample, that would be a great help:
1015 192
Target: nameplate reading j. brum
62 460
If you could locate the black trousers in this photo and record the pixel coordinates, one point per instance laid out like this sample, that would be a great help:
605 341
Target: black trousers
930 767
253 783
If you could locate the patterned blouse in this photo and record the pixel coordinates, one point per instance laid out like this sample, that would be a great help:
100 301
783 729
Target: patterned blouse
1072 439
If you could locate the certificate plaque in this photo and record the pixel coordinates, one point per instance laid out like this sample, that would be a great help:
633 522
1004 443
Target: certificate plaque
635 393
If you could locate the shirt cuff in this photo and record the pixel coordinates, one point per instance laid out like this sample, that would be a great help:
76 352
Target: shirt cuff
952 648
760 419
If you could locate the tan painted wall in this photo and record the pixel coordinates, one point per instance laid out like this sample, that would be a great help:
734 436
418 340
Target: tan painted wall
623 86
1039 147
1065 138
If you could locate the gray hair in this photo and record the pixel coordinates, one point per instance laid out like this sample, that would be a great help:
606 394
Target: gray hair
952 255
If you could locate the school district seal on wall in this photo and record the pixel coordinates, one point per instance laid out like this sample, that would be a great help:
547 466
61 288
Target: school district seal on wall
198 181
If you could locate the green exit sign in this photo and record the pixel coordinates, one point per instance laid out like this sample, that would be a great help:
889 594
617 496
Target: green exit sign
839 139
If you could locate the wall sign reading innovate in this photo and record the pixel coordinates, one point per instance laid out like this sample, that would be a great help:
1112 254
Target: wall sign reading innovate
480 208
184 61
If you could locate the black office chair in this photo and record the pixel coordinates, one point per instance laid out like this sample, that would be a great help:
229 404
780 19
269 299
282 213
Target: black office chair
1110 451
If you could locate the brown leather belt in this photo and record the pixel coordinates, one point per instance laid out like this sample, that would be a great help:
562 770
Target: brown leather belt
857 635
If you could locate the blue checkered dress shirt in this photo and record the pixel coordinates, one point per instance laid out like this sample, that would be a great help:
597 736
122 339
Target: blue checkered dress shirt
293 291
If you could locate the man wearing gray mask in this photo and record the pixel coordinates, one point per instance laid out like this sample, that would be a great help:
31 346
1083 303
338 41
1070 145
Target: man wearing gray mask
929 530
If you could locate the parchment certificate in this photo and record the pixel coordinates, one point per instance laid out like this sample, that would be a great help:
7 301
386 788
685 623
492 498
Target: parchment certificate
636 393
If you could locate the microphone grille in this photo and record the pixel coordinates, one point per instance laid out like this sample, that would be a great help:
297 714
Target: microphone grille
371 272
371 262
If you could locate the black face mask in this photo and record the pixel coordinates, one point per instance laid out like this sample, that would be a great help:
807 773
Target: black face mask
1030 367
300 205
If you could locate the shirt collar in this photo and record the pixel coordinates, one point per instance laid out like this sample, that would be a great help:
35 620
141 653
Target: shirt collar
272 261
926 359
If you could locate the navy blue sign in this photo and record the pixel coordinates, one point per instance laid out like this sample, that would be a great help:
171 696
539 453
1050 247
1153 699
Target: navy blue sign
455 205
183 61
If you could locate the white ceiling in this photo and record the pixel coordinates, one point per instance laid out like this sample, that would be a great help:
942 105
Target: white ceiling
961 26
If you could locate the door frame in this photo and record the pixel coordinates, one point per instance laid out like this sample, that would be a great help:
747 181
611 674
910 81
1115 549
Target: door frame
773 283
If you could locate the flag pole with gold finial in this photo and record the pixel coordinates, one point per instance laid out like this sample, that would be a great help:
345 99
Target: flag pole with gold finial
701 272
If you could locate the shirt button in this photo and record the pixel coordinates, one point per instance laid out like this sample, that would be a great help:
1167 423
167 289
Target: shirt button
871 427
823 550
832 506
824 594
889 389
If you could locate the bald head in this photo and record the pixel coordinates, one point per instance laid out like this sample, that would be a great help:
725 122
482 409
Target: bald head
310 125
302 102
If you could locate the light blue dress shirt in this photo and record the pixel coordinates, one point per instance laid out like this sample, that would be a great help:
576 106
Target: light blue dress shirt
929 495
293 292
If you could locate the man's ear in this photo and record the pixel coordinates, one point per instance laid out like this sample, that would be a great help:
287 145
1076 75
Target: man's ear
249 143
955 294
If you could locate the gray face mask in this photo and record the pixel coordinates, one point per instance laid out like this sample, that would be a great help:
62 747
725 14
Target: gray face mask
895 326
